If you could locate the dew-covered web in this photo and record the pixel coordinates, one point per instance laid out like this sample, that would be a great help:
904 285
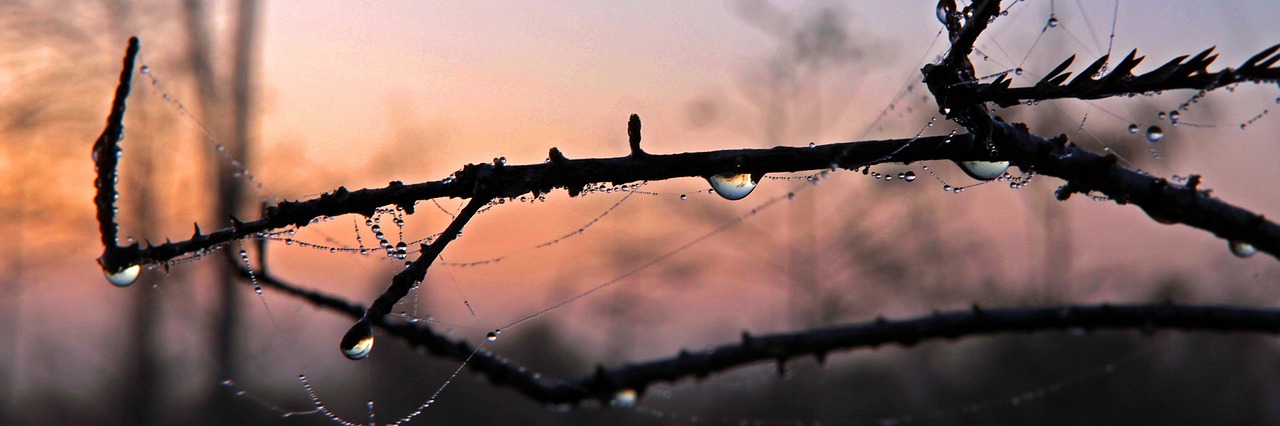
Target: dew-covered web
384 235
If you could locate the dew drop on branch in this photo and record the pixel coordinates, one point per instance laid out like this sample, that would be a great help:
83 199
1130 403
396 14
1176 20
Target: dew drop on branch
983 170
358 341
123 277
1133 129
624 398
1241 249
732 186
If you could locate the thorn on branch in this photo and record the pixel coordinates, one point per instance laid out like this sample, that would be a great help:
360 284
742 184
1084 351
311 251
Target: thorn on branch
633 132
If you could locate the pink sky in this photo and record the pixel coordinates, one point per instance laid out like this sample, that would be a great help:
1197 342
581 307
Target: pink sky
487 80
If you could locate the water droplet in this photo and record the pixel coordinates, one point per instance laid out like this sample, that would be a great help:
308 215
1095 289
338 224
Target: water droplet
732 186
1161 115
946 188
811 145
1133 129
1241 249
791 196
944 11
624 398
1154 133
909 176
493 335
375 228
124 277
145 70
1017 71
684 197
1174 116
983 170
1053 22
358 341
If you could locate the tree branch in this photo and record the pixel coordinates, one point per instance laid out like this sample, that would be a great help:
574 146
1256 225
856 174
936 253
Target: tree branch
782 347
1178 73
954 89
106 158
573 175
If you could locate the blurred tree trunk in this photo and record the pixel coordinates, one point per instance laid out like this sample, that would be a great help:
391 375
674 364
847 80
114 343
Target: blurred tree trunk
237 143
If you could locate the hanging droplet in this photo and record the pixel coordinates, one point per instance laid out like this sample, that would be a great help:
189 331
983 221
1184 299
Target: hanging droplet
145 70
811 145
1053 22
1154 133
1018 71
1161 115
983 170
358 341
124 277
909 176
684 197
732 186
492 336
624 398
1174 116
1241 249
945 9
1133 129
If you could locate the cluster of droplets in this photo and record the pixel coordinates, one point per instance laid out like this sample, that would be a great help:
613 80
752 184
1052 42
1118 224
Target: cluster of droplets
907 176
1257 117
985 172
238 170
1152 134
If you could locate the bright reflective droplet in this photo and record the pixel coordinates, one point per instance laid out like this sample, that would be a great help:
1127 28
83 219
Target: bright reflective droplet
145 69
1133 129
1241 249
1174 116
358 341
909 176
124 277
624 398
1018 71
983 170
1053 22
1154 133
944 11
1161 115
492 336
732 186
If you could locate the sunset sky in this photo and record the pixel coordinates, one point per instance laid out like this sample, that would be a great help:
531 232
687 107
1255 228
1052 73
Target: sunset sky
363 92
